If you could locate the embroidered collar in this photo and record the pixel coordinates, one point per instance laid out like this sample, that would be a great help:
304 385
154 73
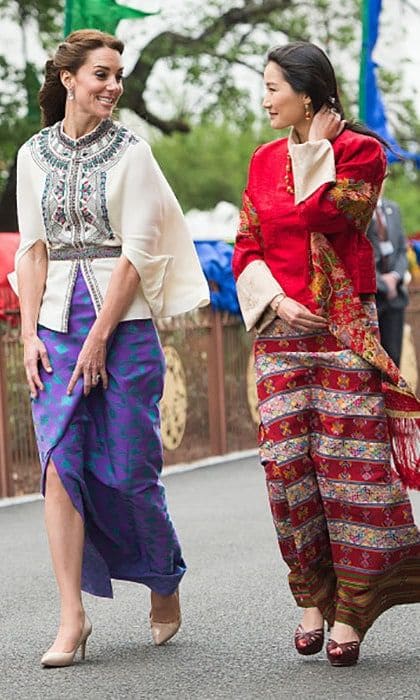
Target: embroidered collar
105 126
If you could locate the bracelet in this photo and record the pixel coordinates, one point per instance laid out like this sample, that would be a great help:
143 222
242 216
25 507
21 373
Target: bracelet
275 303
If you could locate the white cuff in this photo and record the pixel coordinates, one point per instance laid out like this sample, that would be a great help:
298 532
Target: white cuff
152 271
256 288
313 165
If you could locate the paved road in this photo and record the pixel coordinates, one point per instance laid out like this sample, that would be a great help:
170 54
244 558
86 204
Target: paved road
239 617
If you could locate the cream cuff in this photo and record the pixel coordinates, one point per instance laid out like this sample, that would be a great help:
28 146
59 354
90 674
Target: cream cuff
152 271
313 165
256 287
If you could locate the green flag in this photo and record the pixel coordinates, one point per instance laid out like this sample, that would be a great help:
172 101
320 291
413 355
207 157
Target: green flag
98 14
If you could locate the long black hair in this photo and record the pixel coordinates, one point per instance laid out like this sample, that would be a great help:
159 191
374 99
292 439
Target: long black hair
308 69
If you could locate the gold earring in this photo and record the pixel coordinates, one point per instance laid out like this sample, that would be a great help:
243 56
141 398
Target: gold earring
307 112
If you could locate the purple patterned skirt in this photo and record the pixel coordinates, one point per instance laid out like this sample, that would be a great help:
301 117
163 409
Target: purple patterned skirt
107 450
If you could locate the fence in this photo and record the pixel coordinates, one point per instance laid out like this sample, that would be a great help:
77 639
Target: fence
209 403
208 407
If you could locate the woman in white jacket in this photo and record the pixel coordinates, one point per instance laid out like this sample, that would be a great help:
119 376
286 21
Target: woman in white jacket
104 248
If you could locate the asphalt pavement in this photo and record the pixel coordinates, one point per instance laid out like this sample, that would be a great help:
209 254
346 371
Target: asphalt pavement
238 614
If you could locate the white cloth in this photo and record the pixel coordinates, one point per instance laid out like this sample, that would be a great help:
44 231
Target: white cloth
105 189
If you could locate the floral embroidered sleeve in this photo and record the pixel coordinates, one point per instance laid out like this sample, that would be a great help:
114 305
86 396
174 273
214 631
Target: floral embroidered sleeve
248 243
255 284
348 198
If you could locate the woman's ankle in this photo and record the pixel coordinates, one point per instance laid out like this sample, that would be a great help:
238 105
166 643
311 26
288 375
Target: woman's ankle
312 618
341 632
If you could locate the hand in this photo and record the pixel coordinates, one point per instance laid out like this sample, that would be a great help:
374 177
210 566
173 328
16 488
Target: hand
299 317
90 364
326 124
391 282
34 351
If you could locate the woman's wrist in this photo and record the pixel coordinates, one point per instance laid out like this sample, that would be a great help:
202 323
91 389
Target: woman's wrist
275 303
28 334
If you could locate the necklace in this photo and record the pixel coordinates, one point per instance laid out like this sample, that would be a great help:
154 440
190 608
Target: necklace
289 187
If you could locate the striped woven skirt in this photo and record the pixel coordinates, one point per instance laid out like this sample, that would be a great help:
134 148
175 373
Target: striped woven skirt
343 520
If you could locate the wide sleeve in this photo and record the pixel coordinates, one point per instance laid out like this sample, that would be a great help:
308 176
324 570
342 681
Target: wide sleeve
255 284
30 223
142 213
337 189
156 240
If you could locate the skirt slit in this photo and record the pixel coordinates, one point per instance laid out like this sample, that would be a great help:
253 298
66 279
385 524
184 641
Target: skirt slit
107 451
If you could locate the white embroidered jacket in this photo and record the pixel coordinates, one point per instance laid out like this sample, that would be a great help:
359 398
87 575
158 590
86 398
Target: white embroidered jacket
104 189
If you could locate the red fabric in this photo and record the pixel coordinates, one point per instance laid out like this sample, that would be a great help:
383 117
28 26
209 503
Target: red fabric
344 525
276 230
347 321
9 243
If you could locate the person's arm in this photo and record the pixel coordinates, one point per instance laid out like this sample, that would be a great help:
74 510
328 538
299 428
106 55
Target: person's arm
31 269
91 362
144 195
255 284
31 275
400 266
372 235
392 279
335 195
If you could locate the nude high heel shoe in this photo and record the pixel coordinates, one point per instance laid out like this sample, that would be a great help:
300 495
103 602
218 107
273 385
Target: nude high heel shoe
56 659
164 631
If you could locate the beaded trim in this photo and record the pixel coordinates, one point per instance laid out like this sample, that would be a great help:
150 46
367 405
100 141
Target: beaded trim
88 253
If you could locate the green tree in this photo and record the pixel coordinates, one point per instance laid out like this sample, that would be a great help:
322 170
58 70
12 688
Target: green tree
209 164
209 44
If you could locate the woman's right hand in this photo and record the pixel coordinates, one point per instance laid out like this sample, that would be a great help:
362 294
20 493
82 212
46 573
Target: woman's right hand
299 317
34 351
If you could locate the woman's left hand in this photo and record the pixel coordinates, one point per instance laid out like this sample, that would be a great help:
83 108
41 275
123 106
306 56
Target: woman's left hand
326 124
91 365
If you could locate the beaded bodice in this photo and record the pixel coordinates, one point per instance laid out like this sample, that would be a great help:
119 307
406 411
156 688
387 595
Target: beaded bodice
74 206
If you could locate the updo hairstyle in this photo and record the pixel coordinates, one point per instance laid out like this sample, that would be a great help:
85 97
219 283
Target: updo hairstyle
70 55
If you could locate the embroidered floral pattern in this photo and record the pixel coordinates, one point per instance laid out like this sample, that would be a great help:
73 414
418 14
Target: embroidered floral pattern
74 198
354 325
356 199
342 520
249 225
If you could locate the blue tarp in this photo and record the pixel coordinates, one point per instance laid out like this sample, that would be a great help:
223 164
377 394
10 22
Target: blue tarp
216 261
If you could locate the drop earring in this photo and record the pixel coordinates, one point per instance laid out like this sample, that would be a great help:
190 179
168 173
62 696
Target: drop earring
70 94
307 112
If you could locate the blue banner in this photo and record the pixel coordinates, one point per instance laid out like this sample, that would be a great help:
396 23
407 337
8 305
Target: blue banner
371 105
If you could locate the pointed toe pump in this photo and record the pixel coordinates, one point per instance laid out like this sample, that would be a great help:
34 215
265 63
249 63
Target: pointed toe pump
57 659
164 631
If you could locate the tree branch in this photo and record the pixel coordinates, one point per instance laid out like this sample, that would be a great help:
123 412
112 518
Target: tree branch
169 44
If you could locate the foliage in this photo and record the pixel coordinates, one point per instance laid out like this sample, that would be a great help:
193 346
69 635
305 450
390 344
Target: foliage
403 185
19 112
209 164
213 57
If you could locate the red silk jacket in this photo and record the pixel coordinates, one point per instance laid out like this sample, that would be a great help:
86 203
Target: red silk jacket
275 229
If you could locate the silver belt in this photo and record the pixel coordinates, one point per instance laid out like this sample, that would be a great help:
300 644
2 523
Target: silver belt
88 253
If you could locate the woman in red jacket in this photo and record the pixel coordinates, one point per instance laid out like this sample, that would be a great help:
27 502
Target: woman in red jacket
332 404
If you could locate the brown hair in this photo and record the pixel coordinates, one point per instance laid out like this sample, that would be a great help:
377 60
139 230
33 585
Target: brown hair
70 55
